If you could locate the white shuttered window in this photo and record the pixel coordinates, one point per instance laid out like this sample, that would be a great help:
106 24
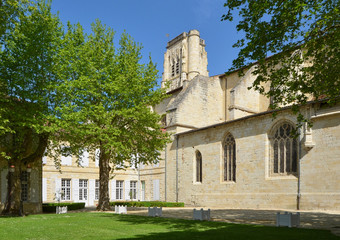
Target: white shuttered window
83 183
66 189
119 189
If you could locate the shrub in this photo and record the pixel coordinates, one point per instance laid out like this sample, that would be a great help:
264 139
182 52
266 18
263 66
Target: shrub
51 207
148 204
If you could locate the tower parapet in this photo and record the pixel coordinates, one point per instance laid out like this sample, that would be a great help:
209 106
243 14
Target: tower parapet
184 59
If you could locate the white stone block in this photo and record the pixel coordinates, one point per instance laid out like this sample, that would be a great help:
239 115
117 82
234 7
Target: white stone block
201 214
120 209
155 212
61 210
287 219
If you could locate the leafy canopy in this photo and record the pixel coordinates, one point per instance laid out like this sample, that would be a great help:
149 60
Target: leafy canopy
303 38
105 96
30 37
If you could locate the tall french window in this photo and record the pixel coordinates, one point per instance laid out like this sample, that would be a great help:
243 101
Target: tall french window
133 189
119 189
65 189
83 189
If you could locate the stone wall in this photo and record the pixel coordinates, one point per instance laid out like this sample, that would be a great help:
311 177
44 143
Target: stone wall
254 186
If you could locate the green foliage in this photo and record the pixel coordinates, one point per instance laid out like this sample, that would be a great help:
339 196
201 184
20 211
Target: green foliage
105 95
105 98
51 207
304 38
147 204
30 39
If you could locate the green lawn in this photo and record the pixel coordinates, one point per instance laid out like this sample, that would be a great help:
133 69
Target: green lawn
110 226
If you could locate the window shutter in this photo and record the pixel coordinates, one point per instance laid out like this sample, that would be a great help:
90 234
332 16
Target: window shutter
44 190
127 190
44 160
75 190
113 189
92 185
57 192
3 179
84 160
57 185
139 191
34 186
66 160
156 189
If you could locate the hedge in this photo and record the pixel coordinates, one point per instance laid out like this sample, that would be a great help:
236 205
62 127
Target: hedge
148 204
51 207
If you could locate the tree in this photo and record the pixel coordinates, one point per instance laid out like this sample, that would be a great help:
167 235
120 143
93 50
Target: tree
304 38
30 39
105 100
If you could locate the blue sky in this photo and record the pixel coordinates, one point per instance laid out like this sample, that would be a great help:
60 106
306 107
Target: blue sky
149 22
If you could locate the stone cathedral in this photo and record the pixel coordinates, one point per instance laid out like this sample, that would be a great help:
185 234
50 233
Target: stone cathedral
227 150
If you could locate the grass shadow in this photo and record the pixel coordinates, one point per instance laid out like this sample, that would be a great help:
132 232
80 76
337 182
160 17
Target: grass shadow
189 229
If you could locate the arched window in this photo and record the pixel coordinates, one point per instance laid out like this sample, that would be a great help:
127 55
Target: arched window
173 68
229 163
198 166
177 66
284 150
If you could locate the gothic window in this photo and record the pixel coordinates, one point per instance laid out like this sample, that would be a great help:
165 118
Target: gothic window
173 68
284 150
163 121
198 166
177 66
229 157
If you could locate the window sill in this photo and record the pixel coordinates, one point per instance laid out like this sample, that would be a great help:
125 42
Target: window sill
227 182
197 183
282 177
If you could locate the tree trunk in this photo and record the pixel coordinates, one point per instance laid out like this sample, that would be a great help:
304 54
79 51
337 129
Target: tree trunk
13 204
104 177
31 152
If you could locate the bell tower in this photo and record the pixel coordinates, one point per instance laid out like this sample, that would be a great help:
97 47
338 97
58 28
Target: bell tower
184 59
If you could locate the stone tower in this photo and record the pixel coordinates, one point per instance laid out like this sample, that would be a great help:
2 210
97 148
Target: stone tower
184 59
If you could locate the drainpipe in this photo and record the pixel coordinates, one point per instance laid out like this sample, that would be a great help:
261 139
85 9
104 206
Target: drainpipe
298 197
165 156
176 168
225 100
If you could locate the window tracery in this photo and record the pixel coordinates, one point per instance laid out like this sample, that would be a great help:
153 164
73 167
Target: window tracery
229 163
284 150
